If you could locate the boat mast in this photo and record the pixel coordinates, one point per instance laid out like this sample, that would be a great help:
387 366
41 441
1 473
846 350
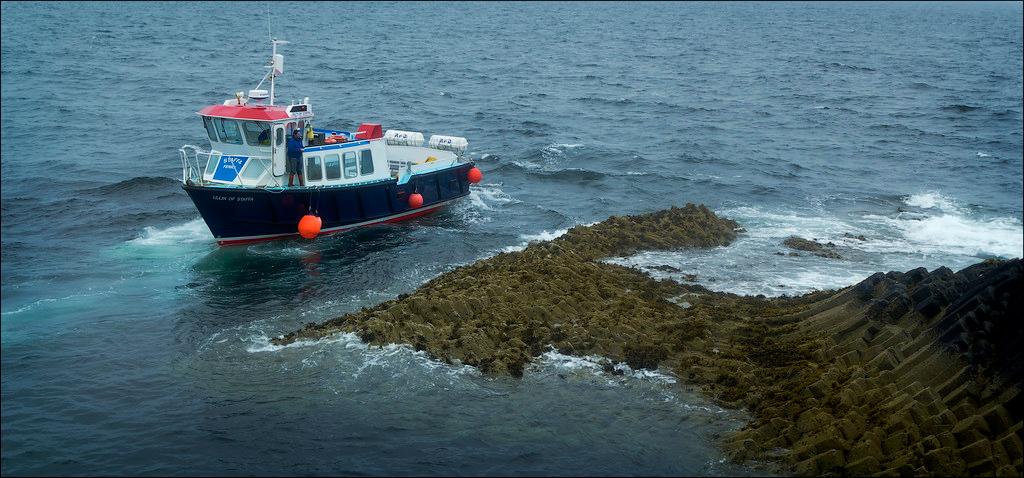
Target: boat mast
276 65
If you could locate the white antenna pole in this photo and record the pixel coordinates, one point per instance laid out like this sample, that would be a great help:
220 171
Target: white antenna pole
276 65
273 55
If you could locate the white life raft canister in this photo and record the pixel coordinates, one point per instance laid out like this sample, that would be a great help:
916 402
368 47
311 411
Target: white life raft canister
448 143
403 138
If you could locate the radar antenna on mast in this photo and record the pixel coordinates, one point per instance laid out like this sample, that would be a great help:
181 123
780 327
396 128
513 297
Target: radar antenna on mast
276 69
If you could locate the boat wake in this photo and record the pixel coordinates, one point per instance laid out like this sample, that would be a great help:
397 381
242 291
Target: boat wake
194 231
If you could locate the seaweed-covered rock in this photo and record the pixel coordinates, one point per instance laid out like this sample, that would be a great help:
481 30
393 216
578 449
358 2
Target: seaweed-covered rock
812 246
877 357
911 372
501 312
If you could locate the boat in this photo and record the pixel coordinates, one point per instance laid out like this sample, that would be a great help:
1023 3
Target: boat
348 179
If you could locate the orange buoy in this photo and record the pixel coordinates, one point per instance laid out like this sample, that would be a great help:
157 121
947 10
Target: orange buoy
309 226
330 140
415 200
475 175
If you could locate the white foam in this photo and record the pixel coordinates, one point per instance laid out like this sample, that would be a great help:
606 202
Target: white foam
544 235
983 155
489 195
528 238
275 250
261 343
952 234
932 200
943 228
28 307
946 228
397 355
194 231
594 365
749 266
939 232
557 150
387 356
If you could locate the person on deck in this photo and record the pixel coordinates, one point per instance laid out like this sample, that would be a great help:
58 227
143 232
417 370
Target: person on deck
294 161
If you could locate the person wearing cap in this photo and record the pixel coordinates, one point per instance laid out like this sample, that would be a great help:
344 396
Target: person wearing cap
294 161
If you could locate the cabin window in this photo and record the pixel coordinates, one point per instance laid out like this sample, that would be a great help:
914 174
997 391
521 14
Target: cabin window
314 172
350 165
208 122
365 162
332 164
290 127
280 136
211 164
228 131
254 169
257 133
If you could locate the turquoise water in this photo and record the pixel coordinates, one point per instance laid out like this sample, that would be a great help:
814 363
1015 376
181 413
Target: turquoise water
132 344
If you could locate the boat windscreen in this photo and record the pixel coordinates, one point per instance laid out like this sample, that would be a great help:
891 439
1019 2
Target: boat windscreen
210 131
257 133
228 130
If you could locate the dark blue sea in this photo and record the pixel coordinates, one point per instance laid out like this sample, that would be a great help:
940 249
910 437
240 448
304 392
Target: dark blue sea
132 344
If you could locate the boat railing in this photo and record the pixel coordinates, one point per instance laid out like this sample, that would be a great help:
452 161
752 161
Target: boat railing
194 162
191 168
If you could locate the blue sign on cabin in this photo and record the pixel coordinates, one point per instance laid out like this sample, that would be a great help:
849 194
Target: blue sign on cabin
229 167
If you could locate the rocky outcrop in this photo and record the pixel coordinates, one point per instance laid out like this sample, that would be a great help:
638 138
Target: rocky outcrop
499 313
904 373
812 246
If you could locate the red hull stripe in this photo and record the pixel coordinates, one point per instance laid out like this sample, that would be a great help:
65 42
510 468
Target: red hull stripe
385 220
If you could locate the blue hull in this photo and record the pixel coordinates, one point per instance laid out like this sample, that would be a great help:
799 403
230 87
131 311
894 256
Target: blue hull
243 215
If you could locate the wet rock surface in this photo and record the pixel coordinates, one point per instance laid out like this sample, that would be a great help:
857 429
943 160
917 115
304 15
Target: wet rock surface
902 373
859 237
499 313
812 246
911 372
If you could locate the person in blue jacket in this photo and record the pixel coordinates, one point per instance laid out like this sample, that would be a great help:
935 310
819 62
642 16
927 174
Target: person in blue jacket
294 161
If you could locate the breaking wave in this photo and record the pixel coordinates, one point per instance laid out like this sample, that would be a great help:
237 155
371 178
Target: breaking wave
490 196
929 230
544 235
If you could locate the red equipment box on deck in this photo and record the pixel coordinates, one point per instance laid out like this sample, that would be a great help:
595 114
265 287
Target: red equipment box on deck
369 131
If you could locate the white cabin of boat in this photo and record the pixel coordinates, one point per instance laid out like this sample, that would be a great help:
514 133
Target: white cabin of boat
248 148
249 135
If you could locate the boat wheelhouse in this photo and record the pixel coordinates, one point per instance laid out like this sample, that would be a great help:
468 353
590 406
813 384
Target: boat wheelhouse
242 187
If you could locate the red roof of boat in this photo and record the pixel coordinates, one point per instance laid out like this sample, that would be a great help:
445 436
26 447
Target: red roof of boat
255 112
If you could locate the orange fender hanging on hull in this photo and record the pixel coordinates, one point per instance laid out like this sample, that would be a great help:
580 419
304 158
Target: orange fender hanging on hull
309 226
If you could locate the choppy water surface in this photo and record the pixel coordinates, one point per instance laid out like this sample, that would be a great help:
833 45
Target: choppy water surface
131 344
